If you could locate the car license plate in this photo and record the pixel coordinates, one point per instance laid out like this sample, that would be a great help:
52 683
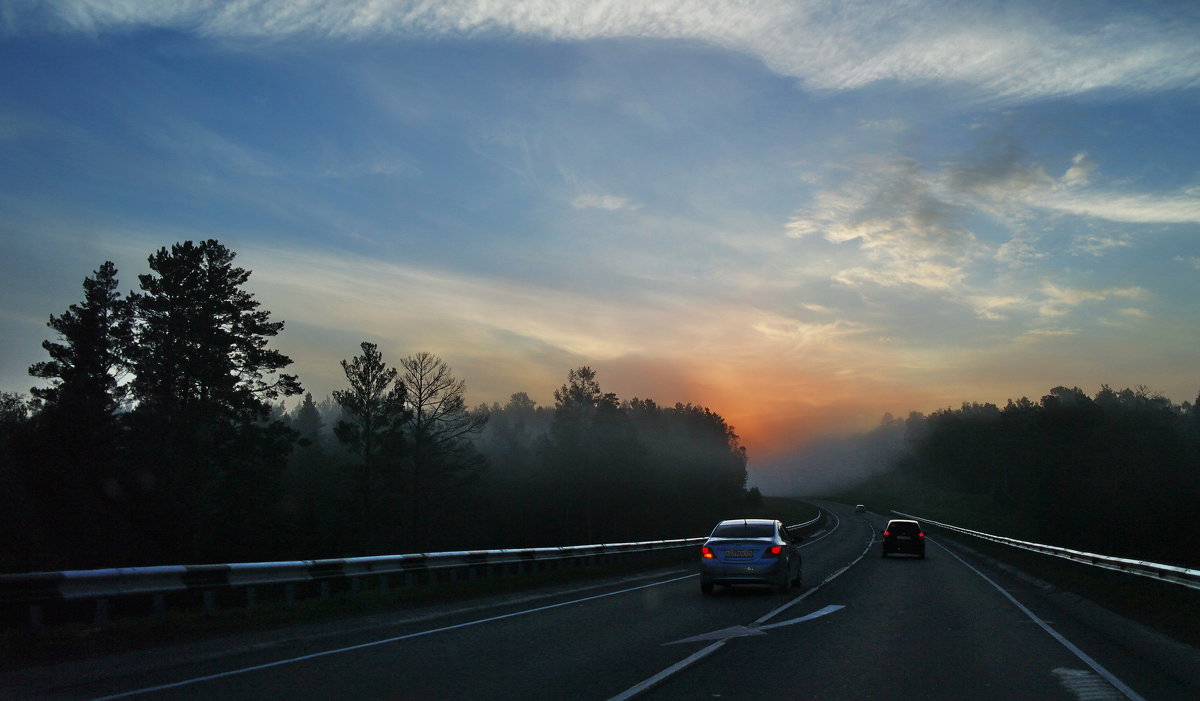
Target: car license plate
903 537
739 553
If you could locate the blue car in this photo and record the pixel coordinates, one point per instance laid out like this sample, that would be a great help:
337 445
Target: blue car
750 551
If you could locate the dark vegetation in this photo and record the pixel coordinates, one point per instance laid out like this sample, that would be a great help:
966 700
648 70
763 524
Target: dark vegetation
159 436
1117 473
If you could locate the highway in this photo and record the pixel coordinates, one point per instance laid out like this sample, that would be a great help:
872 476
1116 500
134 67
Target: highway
951 626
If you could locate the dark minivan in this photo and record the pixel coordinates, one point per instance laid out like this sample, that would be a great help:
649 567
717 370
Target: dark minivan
903 536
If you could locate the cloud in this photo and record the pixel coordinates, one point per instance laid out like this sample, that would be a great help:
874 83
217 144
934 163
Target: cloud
1180 208
893 210
916 227
923 274
1056 300
999 49
993 307
606 202
372 168
1098 245
1081 171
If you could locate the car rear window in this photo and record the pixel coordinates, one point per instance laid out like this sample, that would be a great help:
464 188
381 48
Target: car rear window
744 530
903 527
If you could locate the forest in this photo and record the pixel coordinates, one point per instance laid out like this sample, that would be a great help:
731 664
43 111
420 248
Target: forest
1115 473
160 435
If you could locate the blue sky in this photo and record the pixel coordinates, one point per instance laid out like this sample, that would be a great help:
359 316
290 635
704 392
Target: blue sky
801 214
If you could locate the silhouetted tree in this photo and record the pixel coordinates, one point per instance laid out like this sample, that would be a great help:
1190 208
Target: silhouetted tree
1053 471
317 502
441 456
14 414
307 421
375 410
202 340
83 369
68 456
595 456
77 426
203 379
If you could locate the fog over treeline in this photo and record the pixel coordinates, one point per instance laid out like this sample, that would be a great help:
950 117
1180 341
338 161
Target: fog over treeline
159 436
1116 472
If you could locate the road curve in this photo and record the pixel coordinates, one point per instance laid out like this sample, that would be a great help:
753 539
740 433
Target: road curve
860 627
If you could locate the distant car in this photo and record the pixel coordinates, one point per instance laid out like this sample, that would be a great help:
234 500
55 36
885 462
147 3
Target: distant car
860 509
750 551
904 536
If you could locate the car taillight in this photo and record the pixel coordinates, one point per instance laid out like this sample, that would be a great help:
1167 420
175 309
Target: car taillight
706 553
920 535
887 534
773 551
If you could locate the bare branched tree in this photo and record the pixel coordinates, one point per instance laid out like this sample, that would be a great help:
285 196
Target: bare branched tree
440 455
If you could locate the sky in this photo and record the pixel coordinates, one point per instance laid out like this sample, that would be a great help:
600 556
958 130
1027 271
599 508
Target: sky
799 214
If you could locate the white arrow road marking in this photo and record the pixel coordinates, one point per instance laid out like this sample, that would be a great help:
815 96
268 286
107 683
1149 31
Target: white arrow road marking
724 633
815 614
743 631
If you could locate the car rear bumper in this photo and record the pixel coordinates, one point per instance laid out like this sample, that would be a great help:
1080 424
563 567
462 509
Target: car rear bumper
911 547
743 573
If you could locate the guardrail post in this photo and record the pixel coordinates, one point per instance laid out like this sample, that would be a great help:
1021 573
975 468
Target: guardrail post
325 590
160 605
355 585
289 594
35 617
383 584
210 602
251 597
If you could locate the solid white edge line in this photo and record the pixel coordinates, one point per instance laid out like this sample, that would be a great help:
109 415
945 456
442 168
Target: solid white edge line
324 653
1096 666
679 666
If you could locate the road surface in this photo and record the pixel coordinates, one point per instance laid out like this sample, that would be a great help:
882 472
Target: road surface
950 626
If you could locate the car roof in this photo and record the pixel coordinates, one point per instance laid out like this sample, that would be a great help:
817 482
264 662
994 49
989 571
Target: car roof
748 521
903 520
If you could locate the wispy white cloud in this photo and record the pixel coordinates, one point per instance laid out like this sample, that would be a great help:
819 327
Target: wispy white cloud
1179 208
1191 260
998 49
602 201
995 307
1098 245
1056 300
1081 171
909 222
892 210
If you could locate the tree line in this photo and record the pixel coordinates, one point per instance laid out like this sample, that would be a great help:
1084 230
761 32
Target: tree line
1115 473
160 436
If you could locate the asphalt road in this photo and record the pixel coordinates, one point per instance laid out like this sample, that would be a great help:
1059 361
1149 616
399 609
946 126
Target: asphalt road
860 627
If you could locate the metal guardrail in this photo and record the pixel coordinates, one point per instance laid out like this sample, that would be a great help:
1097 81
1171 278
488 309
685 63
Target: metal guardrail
1167 573
37 588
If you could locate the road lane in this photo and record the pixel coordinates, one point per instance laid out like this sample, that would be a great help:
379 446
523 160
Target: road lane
589 646
891 628
911 628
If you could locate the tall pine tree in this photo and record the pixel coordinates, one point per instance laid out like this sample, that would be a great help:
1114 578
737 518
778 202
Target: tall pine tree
204 378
